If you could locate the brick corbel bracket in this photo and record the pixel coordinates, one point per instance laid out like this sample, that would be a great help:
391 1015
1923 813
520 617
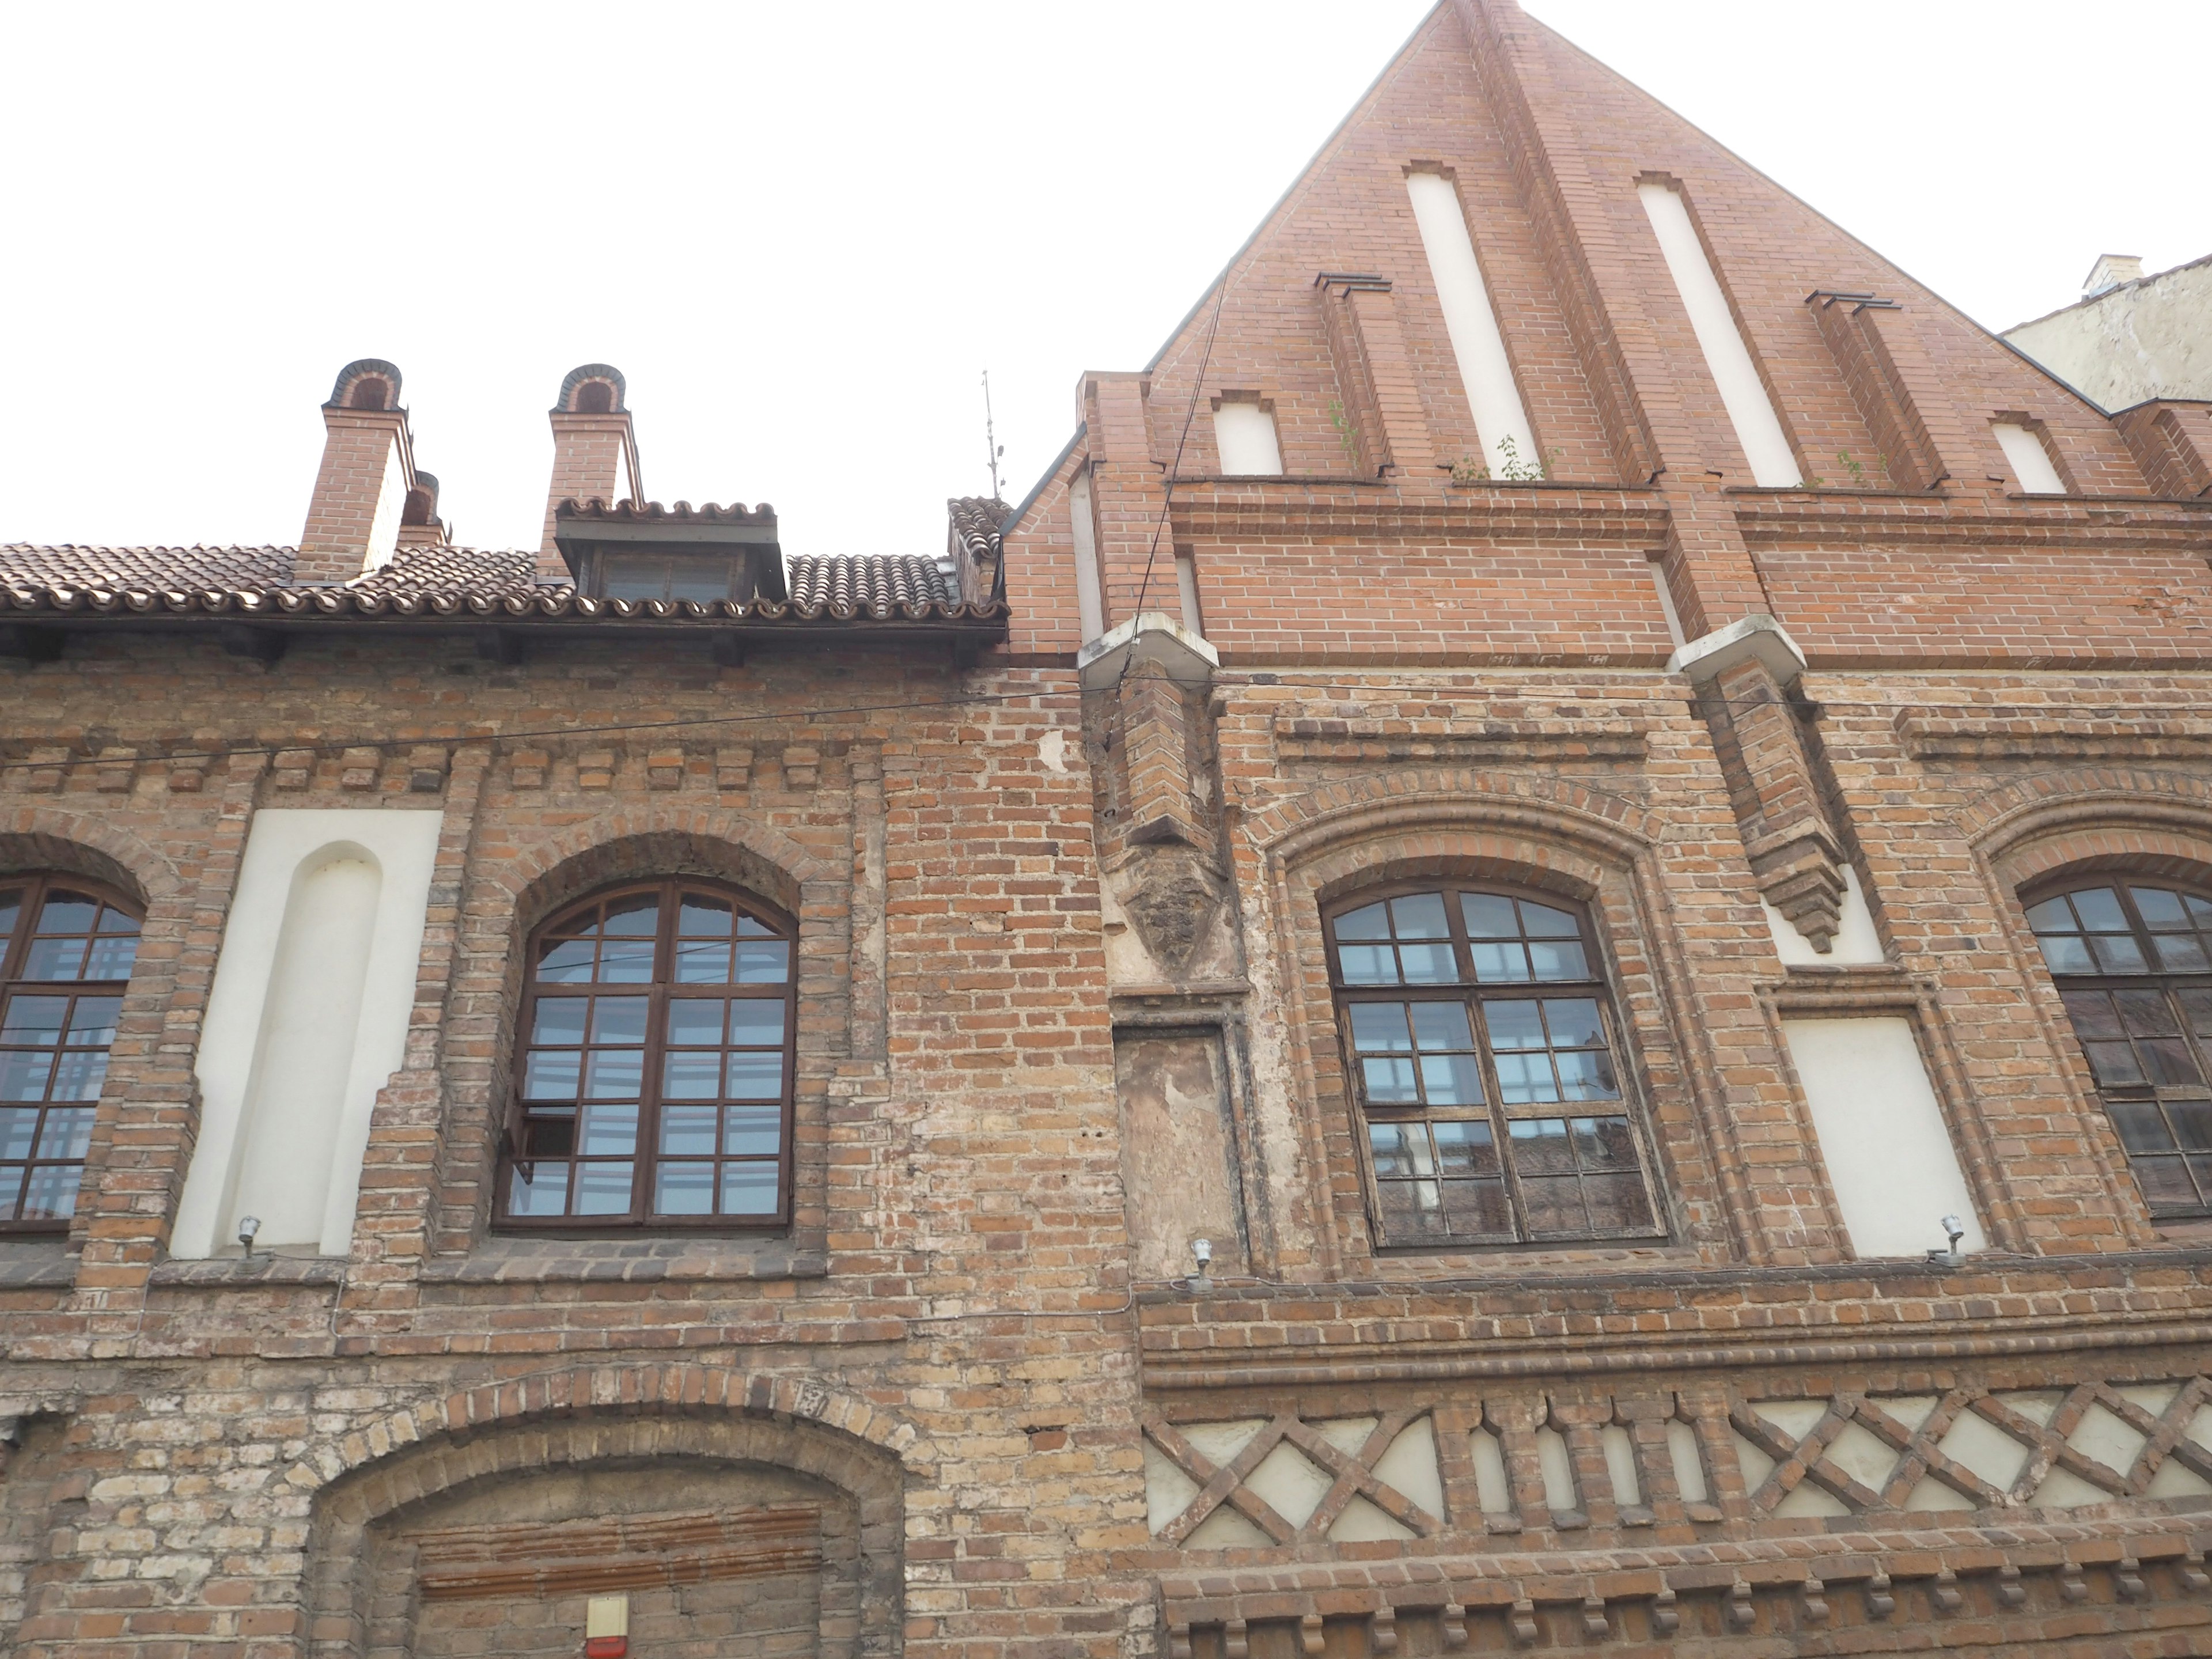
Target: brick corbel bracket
1154 667
1744 674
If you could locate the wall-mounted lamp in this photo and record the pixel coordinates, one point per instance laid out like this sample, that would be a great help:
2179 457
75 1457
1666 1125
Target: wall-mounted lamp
1201 1252
248 1225
1954 1230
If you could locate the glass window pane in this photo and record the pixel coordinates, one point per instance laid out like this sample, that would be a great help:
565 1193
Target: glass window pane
2118 953
50 1194
637 916
755 1077
1488 915
2196 1009
1389 1082
2100 909
54 959
683 1189
1586 1074
2051 916
1618 1203
702 962
1401 1149
1513 1024
558 1020
1428 964
11 908
626 961
1540 1145
1604 1142
757 1022
703 917
748 1189
1368 964
1573 1021
1555 1205
112 957
603 1188
1440 1024
2066 953
68 1133
551 1137
2159 907
2180 953
2142 1126
690 1129
695 1021
551 1074
2166 1183
1561 960
537 1189
68 912
1525 1079
1541 922
1380 1027
1411 1209
112 921
2092 1013
619 1019
764 962
23 1076
614 1074
2113 1063
701 580
694 1074
1420 915
2168 1063
752 1131
1369 921
11 1188
2146 1013
2191 1120
566 962
34 1020
609 1130
1496 964
19 1127
1451 1080
79 1073
1466 1149
1477 1209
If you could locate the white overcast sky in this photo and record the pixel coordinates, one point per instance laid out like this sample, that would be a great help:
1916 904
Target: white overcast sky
804 231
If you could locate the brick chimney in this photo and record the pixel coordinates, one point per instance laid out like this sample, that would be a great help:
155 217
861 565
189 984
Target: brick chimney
594 453
360 491
419 523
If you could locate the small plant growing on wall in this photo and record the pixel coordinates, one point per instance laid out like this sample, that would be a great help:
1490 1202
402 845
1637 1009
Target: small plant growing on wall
1512 468
1470 469
1344 434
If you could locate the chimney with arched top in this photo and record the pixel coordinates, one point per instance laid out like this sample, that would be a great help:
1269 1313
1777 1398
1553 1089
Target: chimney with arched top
594 453
360 502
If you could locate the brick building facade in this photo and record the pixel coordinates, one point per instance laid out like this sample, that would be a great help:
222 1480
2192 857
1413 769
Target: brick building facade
1575 778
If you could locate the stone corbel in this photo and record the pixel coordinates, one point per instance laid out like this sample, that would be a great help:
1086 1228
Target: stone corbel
1744 674
1155 668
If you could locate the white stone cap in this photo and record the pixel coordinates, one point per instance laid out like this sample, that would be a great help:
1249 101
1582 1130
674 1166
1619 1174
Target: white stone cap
1759 636
1148 636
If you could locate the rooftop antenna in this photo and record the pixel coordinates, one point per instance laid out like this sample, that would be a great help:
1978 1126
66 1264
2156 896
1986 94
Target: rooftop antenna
990 437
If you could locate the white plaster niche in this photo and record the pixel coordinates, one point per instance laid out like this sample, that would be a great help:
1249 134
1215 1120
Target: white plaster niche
1089 587
2030 463
307 1020
1888 1152
1501 425
1743 394
1245 434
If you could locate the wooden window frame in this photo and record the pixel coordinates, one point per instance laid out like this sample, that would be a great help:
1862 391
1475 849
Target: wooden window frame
661 989
1471 993
34 886
2123 883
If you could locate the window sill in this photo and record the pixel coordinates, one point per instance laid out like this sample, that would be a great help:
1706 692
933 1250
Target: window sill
510 1260
221 1272
29 1263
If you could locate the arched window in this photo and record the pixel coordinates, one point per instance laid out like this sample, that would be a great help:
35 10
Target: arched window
66 948
1479 1038
653 1077
2134 967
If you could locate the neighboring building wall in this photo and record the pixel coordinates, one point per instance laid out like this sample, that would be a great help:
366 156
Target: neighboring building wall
2138 342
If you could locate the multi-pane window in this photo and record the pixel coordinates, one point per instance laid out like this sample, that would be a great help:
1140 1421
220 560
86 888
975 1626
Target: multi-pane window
2134 968
703 577
1478 1032
66 948
653 1082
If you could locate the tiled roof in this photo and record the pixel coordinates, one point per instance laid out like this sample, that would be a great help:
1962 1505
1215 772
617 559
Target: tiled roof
976 521
628 511
431 583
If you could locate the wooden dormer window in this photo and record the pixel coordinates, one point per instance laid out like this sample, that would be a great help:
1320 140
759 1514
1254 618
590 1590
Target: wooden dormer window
703 578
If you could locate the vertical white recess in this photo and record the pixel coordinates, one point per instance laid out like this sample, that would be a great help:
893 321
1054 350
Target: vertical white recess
305 1020
1882 1136
1765 447
1485 370
1186 590
1090 586
1666 600
2029 460
1245 434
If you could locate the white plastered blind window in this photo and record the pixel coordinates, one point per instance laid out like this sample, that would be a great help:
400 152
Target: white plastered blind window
1245 434
2030 461
1758 428
1509 447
